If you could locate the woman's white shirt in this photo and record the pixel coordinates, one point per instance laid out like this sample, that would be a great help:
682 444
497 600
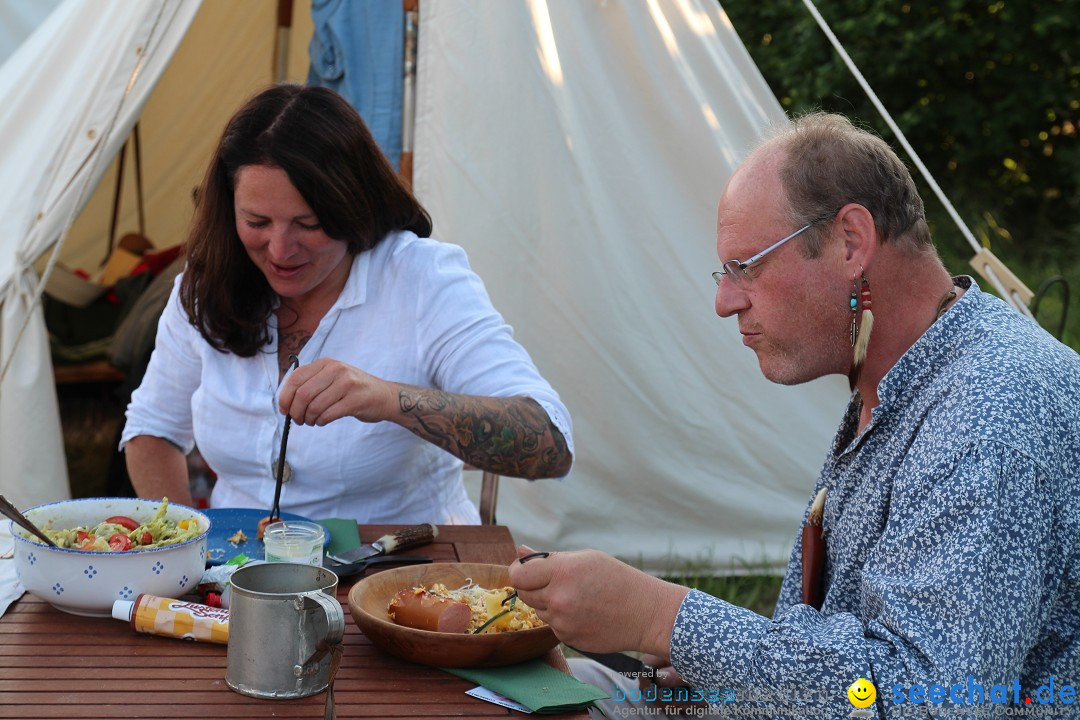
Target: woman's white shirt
412 311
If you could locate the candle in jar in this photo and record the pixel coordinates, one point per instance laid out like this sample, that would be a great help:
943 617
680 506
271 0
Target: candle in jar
294 541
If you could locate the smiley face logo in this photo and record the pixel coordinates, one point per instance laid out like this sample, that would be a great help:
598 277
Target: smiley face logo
862 693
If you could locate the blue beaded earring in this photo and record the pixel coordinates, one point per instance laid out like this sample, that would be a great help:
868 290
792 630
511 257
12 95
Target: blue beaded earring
854 303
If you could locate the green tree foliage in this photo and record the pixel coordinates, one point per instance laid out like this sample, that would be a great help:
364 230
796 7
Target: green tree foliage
987 93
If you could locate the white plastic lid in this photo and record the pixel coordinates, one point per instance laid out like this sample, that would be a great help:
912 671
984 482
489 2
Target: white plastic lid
122 609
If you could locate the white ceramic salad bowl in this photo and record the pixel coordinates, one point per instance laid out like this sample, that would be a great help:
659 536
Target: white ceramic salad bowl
84 582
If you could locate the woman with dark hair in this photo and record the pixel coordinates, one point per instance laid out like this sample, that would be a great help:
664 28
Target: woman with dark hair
306 243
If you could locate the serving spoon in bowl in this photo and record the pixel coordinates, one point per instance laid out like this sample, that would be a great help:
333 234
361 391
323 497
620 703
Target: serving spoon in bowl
12 513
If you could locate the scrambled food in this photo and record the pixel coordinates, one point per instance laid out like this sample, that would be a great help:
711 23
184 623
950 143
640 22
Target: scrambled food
491 611
120 532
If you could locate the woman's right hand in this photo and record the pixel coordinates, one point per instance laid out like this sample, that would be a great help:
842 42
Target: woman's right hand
328 390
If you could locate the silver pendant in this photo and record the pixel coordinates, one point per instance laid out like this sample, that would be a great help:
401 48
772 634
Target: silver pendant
286 476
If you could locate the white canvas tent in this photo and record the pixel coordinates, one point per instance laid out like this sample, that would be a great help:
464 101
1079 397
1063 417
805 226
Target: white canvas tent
69 92
575 149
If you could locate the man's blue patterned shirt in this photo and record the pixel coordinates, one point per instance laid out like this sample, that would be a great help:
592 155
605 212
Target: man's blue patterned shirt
951 525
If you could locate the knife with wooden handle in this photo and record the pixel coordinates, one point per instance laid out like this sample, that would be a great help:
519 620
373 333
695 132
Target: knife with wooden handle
408 537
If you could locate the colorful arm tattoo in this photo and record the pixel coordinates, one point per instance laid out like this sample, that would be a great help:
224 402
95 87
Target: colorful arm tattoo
511 436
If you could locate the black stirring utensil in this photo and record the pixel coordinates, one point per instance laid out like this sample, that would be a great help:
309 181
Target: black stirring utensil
275 511
12 512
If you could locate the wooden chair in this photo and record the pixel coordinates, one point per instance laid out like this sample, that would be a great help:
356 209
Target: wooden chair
489 494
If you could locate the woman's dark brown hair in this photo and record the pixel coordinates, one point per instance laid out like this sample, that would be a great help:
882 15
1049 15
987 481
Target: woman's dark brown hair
319 140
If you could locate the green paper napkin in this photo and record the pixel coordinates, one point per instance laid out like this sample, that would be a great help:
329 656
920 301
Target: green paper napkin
344 535
536 685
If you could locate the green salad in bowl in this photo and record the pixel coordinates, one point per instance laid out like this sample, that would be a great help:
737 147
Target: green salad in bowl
119 533
111 549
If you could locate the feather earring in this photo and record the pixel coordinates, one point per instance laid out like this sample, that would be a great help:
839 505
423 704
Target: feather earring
866 325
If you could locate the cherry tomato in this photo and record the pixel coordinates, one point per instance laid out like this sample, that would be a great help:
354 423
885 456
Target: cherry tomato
124 521
146 538
83 540
119 542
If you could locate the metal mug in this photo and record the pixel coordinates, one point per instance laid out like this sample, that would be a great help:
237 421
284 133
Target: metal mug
284 625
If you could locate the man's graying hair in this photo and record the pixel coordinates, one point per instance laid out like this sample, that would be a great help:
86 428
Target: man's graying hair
828 163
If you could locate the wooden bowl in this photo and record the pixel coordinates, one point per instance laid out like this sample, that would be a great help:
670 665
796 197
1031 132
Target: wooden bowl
369 598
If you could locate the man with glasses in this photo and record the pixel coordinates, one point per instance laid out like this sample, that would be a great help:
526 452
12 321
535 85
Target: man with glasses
950 516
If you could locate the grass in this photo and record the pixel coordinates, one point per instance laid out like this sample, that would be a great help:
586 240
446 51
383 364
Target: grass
754 585
754 592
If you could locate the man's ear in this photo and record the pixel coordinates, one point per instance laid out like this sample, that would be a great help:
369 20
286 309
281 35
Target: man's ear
859 235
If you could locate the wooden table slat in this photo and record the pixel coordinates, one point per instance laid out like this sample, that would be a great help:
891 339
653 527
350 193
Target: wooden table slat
197 681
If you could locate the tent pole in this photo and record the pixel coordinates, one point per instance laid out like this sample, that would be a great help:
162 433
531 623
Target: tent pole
281 41
408 96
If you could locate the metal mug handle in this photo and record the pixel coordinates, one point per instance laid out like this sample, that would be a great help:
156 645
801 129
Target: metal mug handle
335 630
335 618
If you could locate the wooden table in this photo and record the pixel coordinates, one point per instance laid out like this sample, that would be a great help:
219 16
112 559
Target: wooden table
56 665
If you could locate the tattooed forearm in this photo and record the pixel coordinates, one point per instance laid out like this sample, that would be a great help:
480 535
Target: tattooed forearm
510 436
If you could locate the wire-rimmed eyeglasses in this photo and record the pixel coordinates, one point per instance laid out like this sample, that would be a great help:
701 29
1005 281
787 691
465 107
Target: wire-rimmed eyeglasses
736 269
